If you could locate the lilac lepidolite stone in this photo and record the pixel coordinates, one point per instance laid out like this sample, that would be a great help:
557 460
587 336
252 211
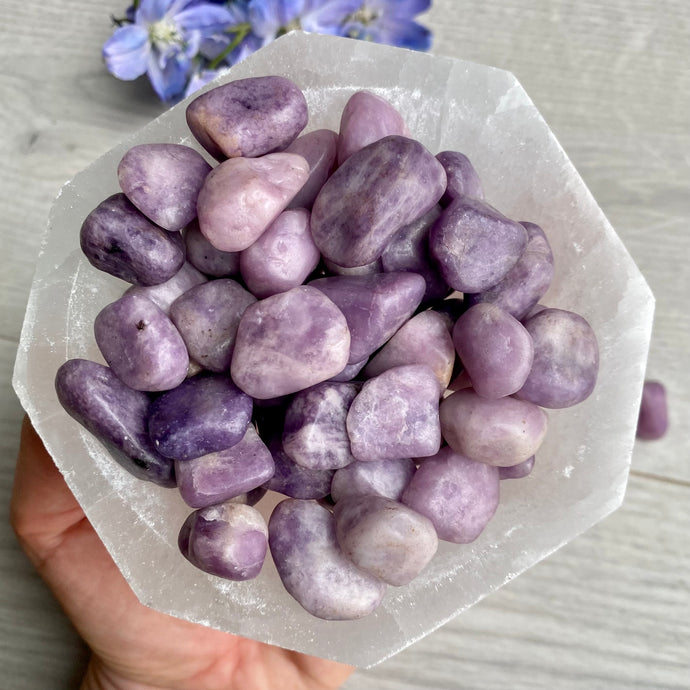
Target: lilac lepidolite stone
166 293
115 414
205 414
462 177
366 118
163 182
295 480
396 415
384 538
314 434
456 493
313 568
229 540
475 245
118 239
248 117
566 359
318 148
207 317
225 474
381 477
375 306
141 344
382 187
652 422
241 197
206 258
288 342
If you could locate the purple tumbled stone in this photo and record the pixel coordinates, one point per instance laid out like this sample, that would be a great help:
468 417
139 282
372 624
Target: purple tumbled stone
349 372
115 414
475 245
207 317
248 117
462 177
456 493
118 239
367 269
206 258
384 538
312 566
318 148
501 432
495 349
229 540
395 415
527 282
288 342
652 422
566 359
409 251
163 182
241 197
225 474
141 344
165 294
424 339
205 414
295 480
366 118
282 257
314 435
381 477
375 306
518 471
378 190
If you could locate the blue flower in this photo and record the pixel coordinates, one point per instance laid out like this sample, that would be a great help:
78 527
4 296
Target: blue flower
389 21
162 42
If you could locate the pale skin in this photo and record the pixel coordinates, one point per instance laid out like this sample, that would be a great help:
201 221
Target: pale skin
134 647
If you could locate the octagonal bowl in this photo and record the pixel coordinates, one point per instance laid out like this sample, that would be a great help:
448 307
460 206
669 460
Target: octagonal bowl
581 469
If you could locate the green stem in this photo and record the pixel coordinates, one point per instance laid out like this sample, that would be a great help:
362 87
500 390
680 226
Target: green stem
240 31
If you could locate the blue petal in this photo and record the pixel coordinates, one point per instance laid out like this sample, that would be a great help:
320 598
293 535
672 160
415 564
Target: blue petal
404 33
269 16
151 11
327 17
168 81
200 79
204 17
126 52
399 8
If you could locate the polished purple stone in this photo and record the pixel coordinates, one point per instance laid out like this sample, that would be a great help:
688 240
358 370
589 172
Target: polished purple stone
350 372
248 117
206 258
409 251
475 245
366 118
378 190
118 239
165 294
205 414
229 540
318 148
566 359
288 342
313 568
163 182
207 317
462 177
527 282
384 538
314 434
396 415
381 477
652 422
141 344
294 480
367 269
456 493
115 414
522 469
375 306
225 474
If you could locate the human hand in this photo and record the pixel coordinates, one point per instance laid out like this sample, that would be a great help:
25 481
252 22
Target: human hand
135 647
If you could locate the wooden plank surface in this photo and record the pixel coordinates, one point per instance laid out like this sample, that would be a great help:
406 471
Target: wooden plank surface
611 609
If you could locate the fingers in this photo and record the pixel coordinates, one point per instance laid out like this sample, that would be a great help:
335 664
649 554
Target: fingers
43 508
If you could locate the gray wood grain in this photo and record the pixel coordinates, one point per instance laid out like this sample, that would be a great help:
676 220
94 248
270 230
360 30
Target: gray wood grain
609 610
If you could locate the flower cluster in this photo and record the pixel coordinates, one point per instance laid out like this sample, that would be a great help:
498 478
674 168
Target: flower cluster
183 44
